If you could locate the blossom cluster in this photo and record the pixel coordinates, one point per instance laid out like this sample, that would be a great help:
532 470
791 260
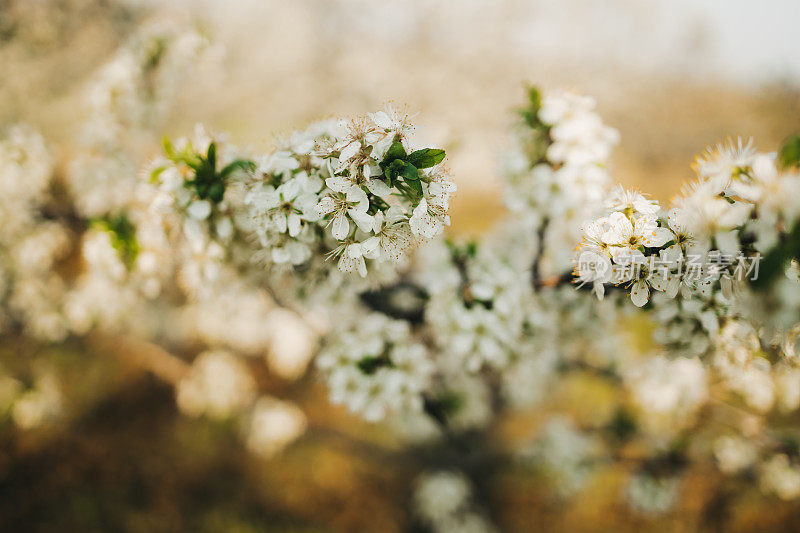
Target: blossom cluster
126 99
88 245
377 368
31 244
558 169
195 193
135 88
444 501
354 189
724 265
712 239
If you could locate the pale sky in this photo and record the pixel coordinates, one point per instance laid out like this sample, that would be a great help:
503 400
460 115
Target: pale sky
744 41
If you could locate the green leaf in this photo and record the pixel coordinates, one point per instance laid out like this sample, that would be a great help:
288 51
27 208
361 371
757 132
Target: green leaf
471 249
169 149
426 158
394 170
216 192
411 178
530 113
371 364
410 173
416 187
211 157
790 152
395 152
123 236
447 403
156 173
239 164
411 185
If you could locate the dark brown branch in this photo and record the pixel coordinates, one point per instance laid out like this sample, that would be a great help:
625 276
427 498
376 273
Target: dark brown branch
537 260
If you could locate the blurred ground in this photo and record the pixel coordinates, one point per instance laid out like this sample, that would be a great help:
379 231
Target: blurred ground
130 462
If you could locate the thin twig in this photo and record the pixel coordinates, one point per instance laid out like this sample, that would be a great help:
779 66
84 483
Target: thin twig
537 260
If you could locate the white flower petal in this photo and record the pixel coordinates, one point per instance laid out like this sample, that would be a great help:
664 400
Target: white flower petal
349 151
381 119
341 227
371 247
620 229
325 206
656 237
640 293
379 188
199 209
364 221
293 221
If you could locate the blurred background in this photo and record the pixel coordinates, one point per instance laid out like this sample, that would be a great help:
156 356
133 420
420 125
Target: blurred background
672 77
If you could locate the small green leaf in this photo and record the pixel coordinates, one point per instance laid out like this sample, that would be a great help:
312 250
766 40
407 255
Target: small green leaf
211 157
240 164
216 192
450 402
416 186
169 149
471 249
790 152
426 158
371 364
394 170
156 173
534 98
410 173
530 113
123 236
395 152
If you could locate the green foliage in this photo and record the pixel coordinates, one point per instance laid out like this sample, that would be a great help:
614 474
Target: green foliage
790 152
394 170
443 406
158 47
123 236
530 113
207 182
395 151
537 138
402 170
462 252
426 158
370 364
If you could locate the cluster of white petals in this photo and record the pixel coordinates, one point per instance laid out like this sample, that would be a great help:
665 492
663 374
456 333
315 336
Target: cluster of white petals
355 190
740 208
31 244
377 368
557 172
444 501
719 273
